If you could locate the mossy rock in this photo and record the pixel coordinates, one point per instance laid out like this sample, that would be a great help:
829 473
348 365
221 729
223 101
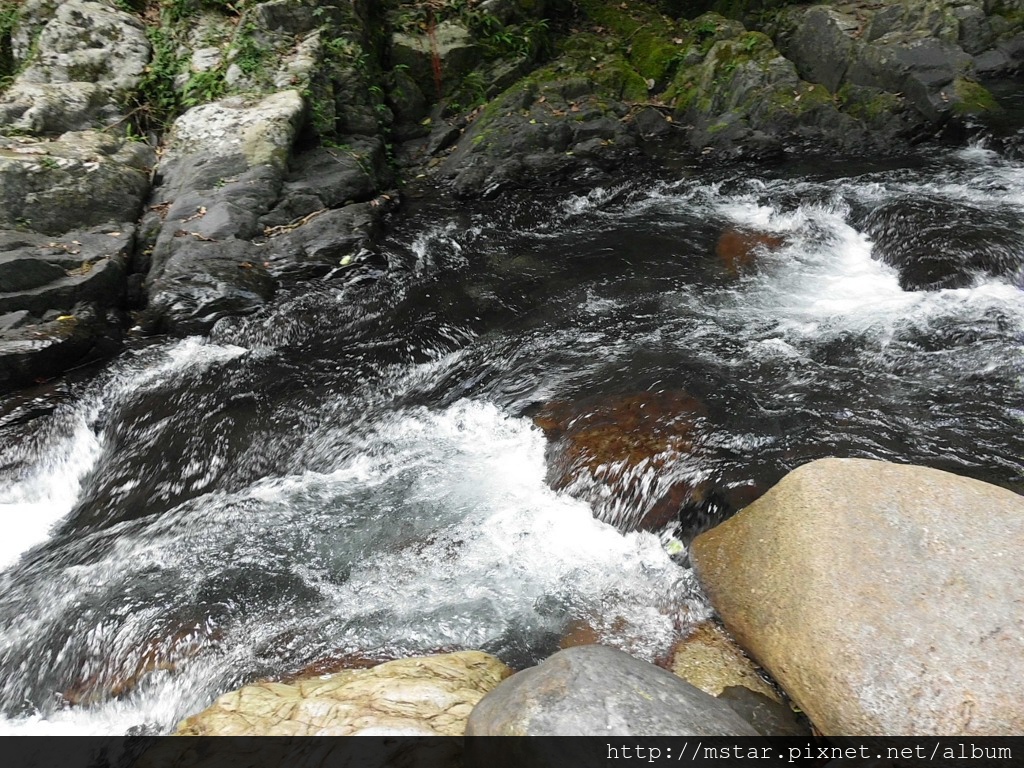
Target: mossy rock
972 98
647 37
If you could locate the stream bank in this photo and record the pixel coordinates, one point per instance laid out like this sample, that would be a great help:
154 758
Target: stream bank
287 131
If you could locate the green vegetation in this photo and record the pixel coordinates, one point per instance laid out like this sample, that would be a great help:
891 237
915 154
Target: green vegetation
10 12
132 6
161 96
155 102
649 39
181 10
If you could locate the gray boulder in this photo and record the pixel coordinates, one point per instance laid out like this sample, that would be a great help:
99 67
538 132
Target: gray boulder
924 55
592 690
233 211
34 350
884 599
450 45
223 169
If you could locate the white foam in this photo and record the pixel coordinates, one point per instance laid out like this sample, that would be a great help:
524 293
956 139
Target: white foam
441 532
31 506
46 491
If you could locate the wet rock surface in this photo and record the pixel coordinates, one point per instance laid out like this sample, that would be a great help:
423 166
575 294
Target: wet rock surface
884 599
626 455
58 300
935 245
740 250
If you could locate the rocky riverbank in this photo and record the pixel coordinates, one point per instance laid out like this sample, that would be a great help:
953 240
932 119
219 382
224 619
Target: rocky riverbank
167 164
881 599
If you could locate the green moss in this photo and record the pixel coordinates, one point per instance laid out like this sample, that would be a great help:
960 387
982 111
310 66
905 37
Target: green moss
797 102
621 81
972 98
646 37
867 104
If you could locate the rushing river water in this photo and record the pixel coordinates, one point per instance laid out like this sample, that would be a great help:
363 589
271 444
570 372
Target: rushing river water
354 471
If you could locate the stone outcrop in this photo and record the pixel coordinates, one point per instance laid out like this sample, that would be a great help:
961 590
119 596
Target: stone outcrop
77 180
232 209
222 169
80 66
884 599
67 213
592 690
921 61
427 696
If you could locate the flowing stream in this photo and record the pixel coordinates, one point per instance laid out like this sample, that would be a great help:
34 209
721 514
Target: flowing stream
354 472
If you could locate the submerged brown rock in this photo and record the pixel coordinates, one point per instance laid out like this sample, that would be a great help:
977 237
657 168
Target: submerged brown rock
113 678
739 249
624 454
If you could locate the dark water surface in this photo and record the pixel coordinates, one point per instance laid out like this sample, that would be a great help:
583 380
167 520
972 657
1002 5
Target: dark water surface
354 471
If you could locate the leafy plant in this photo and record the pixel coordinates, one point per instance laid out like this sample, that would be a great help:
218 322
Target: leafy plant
132 6
249 54
155 102
10 13
203 87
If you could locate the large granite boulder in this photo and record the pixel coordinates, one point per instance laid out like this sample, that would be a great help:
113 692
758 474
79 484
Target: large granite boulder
427 696
593 690
884 599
